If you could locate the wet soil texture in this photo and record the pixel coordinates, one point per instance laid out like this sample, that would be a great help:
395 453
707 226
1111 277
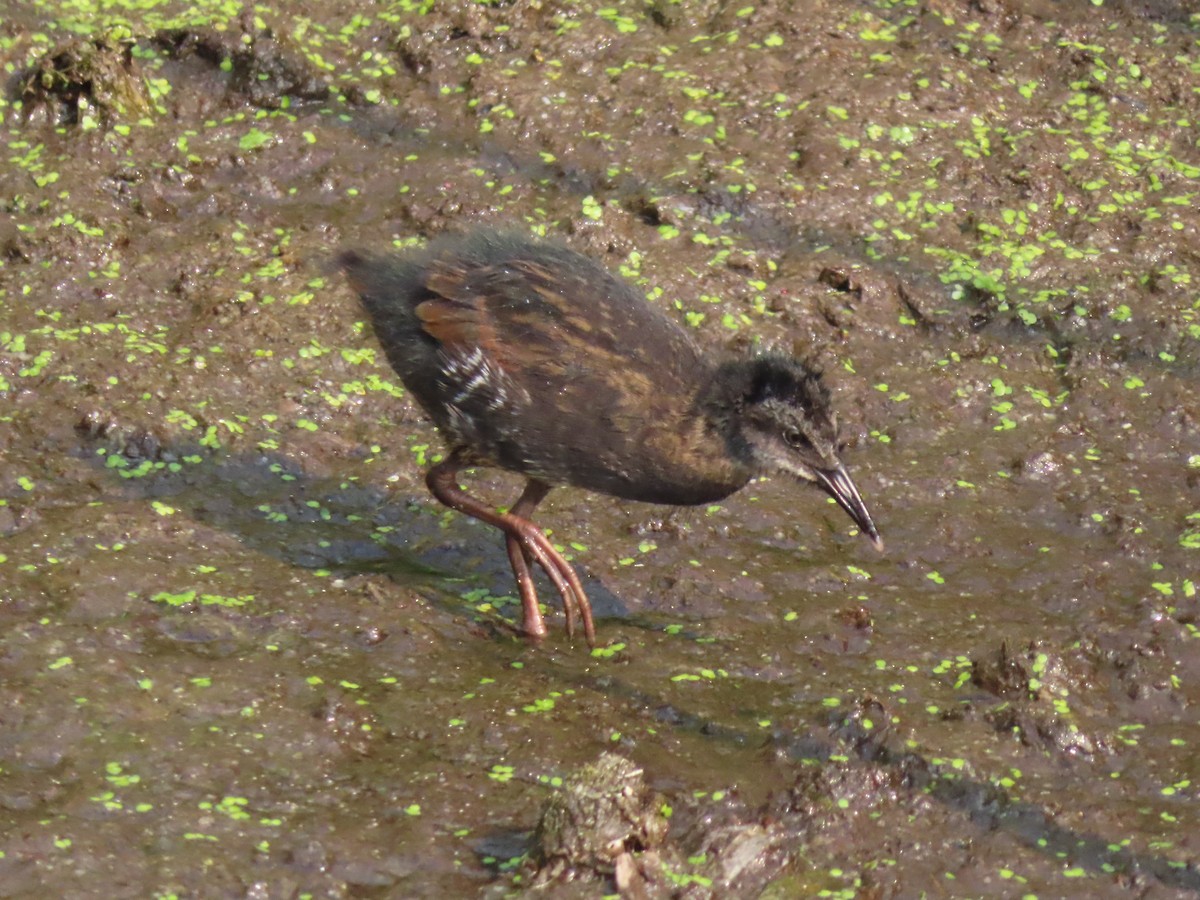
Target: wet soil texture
242 652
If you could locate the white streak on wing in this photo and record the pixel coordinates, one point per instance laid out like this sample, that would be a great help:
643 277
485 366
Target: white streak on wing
478 378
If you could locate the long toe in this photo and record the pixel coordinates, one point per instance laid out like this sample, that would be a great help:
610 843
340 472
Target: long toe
564 577
532 622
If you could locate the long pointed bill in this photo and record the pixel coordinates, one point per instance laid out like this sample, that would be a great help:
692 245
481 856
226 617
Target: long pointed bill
837 483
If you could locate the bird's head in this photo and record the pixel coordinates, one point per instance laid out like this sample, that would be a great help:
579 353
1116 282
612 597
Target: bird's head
779 414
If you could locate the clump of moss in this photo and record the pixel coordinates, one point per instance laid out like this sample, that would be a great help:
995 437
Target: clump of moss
97 74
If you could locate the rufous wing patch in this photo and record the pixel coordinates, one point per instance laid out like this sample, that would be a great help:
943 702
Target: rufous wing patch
454 315
456 326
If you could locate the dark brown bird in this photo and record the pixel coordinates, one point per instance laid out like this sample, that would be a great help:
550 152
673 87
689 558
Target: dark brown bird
532 358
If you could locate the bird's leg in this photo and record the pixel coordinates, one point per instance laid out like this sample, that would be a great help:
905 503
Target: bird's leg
518 557
532 543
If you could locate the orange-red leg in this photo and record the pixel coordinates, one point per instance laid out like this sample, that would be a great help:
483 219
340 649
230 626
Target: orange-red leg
526 543
518 557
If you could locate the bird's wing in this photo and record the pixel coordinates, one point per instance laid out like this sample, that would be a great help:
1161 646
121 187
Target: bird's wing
514 314
468 313
456 313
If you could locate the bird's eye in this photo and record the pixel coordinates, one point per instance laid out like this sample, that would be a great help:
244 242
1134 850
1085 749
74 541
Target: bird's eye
793 437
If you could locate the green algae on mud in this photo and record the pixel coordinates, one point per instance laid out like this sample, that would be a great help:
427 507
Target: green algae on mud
980 220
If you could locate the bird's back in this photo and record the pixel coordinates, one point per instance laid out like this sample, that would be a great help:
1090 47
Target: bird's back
542 362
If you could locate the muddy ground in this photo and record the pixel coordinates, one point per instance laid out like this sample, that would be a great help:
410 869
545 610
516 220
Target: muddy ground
242 652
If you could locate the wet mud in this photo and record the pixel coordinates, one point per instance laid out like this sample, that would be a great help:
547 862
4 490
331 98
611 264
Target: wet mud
242 651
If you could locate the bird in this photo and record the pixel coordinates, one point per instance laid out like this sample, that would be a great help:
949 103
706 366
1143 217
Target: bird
533 358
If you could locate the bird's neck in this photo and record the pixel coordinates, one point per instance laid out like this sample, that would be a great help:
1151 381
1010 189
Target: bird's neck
717 426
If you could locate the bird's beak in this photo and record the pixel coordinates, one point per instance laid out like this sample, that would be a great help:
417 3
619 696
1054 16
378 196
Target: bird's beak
837 483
